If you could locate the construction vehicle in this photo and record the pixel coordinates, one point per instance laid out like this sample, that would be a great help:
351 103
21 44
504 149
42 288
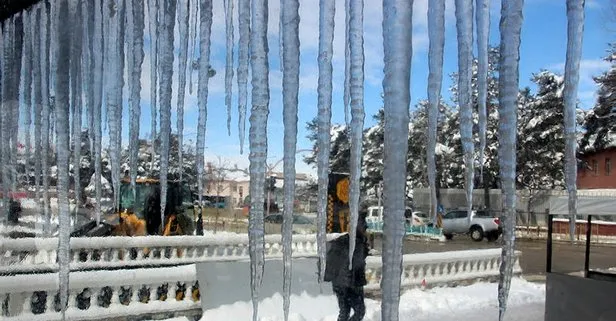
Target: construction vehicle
139 212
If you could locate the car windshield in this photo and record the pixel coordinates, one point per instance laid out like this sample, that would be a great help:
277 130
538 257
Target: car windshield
299 219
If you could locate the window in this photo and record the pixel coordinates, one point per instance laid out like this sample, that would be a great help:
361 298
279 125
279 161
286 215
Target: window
241 190
595 167
608 167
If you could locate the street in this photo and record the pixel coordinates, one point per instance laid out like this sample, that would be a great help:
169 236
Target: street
567 258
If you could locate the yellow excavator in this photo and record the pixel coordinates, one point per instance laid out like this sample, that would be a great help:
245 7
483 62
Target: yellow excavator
139 212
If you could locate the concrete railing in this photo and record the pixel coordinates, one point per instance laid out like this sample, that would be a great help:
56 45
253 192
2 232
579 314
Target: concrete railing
40 254
442 267
105 295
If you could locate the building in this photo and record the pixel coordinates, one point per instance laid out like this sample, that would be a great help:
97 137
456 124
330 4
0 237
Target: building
596 171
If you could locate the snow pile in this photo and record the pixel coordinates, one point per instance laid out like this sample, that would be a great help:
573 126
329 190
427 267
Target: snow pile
476 302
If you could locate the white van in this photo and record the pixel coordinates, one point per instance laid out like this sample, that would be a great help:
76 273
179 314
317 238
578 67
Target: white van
375 214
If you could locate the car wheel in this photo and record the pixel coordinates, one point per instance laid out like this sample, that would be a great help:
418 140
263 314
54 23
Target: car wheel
476 233
448 236
493 236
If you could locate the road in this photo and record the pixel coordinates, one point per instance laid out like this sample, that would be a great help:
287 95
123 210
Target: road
567 258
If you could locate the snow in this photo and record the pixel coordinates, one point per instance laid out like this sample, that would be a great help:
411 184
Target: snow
474 302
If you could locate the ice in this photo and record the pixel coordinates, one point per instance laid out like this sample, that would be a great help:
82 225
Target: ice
575 31
327 12
166 75
134 27
228 4
258 145
397 44
6 47
510 26
45 101
193 50
97 50
290 90
15 112
242 67
87 75
62 49
113 90
347 62
153 8
483 34
436 34
76 95
183 20
36 94
26 77
464 26
205 16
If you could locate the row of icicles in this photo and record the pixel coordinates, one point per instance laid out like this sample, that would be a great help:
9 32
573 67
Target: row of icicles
63 68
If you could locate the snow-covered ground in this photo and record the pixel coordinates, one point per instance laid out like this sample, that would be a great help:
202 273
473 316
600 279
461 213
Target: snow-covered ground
477 302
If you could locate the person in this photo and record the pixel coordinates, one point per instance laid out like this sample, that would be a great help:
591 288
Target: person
348 284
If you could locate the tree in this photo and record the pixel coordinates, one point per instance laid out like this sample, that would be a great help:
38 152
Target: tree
340 153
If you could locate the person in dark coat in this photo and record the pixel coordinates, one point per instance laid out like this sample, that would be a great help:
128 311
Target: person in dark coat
348 285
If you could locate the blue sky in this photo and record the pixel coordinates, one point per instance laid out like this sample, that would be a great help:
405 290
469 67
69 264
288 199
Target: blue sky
543 46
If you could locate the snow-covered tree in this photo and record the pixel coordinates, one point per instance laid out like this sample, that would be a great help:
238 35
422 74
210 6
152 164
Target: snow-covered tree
340 153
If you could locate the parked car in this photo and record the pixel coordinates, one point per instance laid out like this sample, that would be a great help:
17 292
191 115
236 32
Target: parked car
481 225
414 218
301 224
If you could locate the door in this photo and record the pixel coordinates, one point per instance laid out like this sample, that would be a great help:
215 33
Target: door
455 222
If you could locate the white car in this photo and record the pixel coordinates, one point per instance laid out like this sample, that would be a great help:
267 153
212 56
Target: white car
481 225
375 214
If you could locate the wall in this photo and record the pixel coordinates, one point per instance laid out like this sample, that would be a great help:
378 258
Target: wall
596 172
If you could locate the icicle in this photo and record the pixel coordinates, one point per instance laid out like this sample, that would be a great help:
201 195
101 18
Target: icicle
98 75
575 32
75 83
205 22
436 33
62 50
356 91
229 61
3 117
7 61
166 75
37 28
114 57
510 26
17 50
193 50
464 26
483 34
290 90
86 73
242 68
183 20
44 59
135 25
26 69
397 36
258 146
347 62
327 12
153 8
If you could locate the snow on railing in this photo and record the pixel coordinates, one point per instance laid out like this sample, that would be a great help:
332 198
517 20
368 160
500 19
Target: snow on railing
103 295
100 295
442 267
39 254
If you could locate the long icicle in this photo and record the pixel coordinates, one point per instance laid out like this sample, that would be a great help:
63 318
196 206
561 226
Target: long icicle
26 69
356 91
87 74
464 26
510 27
166 76
36 95
15 114
62 55
290 91
436 34
258 146
135 27
7 61
347 62
153 8
97 102
44 47
483 34
398 49
575 32
242 68
193 36
183 21
76 99
327 12
228 4
205 17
